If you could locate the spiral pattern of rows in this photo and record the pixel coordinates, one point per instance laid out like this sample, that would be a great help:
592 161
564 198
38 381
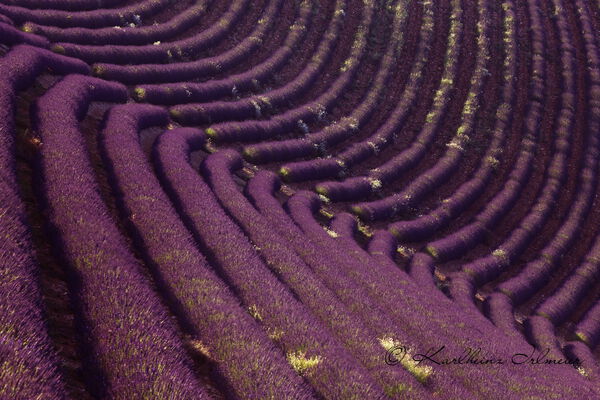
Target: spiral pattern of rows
299 199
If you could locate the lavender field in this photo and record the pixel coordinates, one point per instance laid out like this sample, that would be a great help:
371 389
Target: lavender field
299 199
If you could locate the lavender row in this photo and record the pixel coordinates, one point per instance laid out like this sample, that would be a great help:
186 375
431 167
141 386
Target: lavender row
588 329
131 347
348 280
313 243
567 297
178 93
317 144
589 368
156 53
66 5
88 19
558 306
405 312
392 320
11 36
189 70
29 365
130 34
383 249
218 111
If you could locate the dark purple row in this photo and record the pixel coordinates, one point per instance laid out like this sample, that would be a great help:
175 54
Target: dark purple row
127 35
88 19
9 35
28 360
157 53
406 302
67 5
490 266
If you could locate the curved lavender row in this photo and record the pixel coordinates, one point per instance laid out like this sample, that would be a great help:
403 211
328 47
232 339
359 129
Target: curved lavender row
28 365
288 322
499 309
292 270
254 130
423 226
218 111
89 19
177 93
385 247
588 329
443 168
382 245
590 367
587 333
310 145
231 336
490 266
22 65
540 332
421 268
536 274
336 133
4 19
67 5
345 226
498 380
162 52
359 186
188 70
346 279
133 348
128 35
9 35
467 236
